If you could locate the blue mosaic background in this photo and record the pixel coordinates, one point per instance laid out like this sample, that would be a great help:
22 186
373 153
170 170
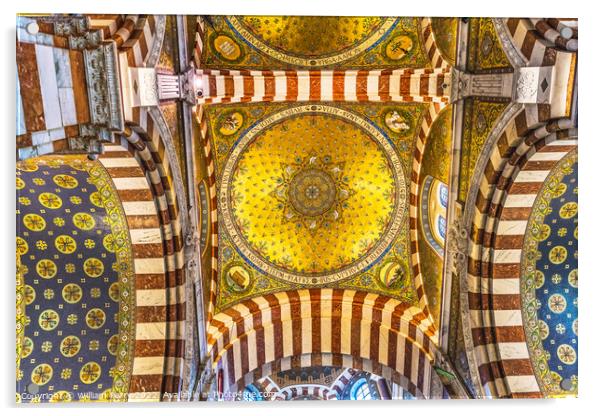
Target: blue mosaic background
67 258
557 281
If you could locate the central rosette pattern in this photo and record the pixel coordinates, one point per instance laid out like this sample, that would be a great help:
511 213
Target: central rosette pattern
313 191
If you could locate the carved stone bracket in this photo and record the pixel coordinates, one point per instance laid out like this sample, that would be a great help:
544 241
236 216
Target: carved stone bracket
532 85
188 87
78 31
480 85
450 377
207 378
68 25
458 241
104 89
89 40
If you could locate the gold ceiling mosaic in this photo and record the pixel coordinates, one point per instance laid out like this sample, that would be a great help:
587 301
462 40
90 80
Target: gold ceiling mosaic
436 167
313 42
313 195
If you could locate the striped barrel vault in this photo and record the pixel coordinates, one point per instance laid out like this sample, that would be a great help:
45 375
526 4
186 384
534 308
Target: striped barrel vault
314 390
552 34
428 120
563 28
377 85
149 147
52 98
524 154
52 104
268 386
418 383
285 324
133 34
430 46
537 41
343 380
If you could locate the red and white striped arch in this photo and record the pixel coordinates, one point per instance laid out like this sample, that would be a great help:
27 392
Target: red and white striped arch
151 149
160 309
538 40
363 325
522 158
430 46
343 380
417 382
160 297
304 390
268 386
133 34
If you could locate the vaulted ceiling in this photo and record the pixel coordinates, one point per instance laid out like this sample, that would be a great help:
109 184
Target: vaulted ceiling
298 205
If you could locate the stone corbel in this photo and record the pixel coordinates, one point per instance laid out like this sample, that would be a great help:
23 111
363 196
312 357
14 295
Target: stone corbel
90 140
449 377
207 378
189 88
532 85
104 89
146 84
77 30
466 85
458 242
68 25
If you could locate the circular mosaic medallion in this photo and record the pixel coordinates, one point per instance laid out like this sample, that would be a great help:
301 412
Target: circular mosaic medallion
65 181
566 354
70 346
227 47
93 267
296 191
313 40
72 293
399 47
41 374
391 273
50 200
34 222
312 192
49 320
238 278
90 372
95 318
46 269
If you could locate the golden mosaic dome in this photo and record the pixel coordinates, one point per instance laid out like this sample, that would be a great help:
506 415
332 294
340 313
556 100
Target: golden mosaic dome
312 40
313 194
